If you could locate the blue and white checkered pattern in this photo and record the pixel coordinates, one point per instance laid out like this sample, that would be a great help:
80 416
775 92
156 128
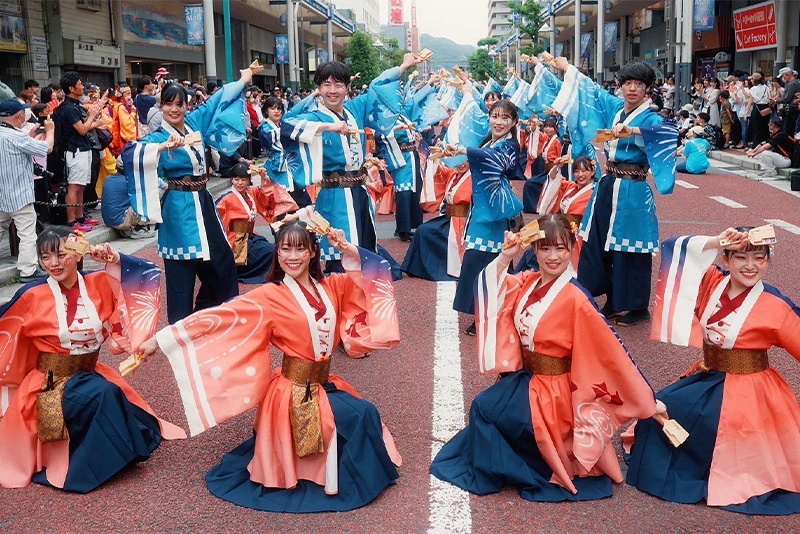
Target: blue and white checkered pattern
330 253
190 253
625 245
403 187
483 245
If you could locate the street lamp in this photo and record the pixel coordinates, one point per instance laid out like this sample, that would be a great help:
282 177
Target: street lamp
492 54
380 46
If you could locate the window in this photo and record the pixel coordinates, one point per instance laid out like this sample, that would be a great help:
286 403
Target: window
263 57
91 5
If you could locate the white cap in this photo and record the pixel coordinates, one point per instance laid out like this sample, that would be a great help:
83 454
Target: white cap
784 70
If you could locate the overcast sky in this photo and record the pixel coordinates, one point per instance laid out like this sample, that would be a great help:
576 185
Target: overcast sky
463 21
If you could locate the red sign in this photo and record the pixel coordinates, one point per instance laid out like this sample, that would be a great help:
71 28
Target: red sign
413 13
396 12
754 27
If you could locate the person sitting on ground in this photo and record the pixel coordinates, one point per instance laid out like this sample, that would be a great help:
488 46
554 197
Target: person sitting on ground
693 154
776 152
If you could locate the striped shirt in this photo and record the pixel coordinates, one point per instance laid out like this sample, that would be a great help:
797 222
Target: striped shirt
16 168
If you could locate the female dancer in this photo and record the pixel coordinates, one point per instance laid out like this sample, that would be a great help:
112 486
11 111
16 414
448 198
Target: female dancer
190 238
494 203
237 211
566 383
88 423
550 152
317 446
743 420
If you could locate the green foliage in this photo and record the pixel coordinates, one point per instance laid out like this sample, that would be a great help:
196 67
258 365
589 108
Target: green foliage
392 55
488 42
532 50
363 56
532 16
482 67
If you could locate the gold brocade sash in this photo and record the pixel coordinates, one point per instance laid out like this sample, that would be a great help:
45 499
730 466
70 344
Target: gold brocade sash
540 364
243 230
457 210
735 361
306 420
49 403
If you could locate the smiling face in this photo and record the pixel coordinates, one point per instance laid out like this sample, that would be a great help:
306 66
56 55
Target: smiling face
501 122
294 259
746 268
61 266
333 93
553 259
583 175
174 112
490 100
274 114
240 183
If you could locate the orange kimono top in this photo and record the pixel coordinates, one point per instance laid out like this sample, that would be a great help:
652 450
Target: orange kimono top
124 128
574 415
564 196
270 200
222 364
758 438
35 321
435 182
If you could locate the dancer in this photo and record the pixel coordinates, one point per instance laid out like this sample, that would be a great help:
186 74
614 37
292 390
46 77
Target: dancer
317 447
69 421
565 384
743 419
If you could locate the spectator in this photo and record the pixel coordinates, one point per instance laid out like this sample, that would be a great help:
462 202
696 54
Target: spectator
758 129
669 94
144 100
787 105
31 85
52 95
726 116
5 92
776 152
211 88
155 115
711 99
17 150
81 160
124 127
693 155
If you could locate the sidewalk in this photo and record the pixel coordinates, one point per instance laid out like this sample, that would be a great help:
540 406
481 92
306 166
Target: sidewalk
739 162
100 234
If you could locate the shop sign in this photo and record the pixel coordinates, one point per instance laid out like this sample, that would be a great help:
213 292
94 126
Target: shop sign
755 27
194 24
396 12
281 49
11 6
13 37
96 55
40 66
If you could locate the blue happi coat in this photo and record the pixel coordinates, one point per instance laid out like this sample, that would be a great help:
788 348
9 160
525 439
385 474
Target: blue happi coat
181 216
587 107
282 166
329 152
493 199
469 126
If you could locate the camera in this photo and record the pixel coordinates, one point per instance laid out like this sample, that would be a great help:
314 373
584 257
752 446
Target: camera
38 170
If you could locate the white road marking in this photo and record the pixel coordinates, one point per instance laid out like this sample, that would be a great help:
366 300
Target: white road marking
780 223
449 505
728 202
685 184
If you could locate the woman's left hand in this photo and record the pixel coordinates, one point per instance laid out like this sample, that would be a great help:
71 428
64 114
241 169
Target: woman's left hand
337 239
104 253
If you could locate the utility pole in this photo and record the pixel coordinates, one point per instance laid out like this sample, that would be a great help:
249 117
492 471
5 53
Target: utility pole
226 16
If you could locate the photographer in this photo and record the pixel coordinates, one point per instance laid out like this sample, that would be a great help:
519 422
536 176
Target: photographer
17 150
787 105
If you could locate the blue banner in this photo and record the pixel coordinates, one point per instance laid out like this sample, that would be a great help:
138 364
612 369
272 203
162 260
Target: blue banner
281 49
323 56
586 45
559 49
610 31
703 15
194 24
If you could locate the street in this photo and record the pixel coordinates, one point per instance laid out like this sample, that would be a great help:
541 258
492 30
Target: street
423 390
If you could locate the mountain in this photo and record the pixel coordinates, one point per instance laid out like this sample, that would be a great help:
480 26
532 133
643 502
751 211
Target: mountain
446 52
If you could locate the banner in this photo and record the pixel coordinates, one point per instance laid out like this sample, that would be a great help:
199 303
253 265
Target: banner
194 24
703 15
281 49
708 68
586 45
559 49
12 34
610 31
755 27
323 56
396 12
155 23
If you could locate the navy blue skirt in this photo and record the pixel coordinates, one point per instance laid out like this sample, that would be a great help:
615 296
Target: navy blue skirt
498 449
681 474
365 468
427 254
259 260
106 432
474 262
531 192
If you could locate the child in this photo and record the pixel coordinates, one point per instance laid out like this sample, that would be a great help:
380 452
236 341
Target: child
725 116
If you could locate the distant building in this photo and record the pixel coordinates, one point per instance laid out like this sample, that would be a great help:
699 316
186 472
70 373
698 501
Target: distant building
499 15
407 37
366 12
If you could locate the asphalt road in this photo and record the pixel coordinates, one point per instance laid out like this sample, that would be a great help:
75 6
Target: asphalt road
422 389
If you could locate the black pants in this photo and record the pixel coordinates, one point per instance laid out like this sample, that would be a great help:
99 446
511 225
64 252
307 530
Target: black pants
408 212
218 277
624 277
90 192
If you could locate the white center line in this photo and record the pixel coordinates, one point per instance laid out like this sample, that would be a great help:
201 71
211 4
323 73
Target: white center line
789 227
449 505
728 202
685 184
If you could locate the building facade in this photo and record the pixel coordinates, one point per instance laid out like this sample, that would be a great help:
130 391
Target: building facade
367 13
499 19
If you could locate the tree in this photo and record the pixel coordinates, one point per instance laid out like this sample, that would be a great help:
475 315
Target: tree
488 42
532 14
363 56
482 67
392 56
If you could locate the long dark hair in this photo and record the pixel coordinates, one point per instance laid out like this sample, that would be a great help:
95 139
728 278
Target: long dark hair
49 241
296 234
507 106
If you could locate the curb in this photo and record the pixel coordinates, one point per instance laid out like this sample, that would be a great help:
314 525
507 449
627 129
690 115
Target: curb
100 234
739 161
